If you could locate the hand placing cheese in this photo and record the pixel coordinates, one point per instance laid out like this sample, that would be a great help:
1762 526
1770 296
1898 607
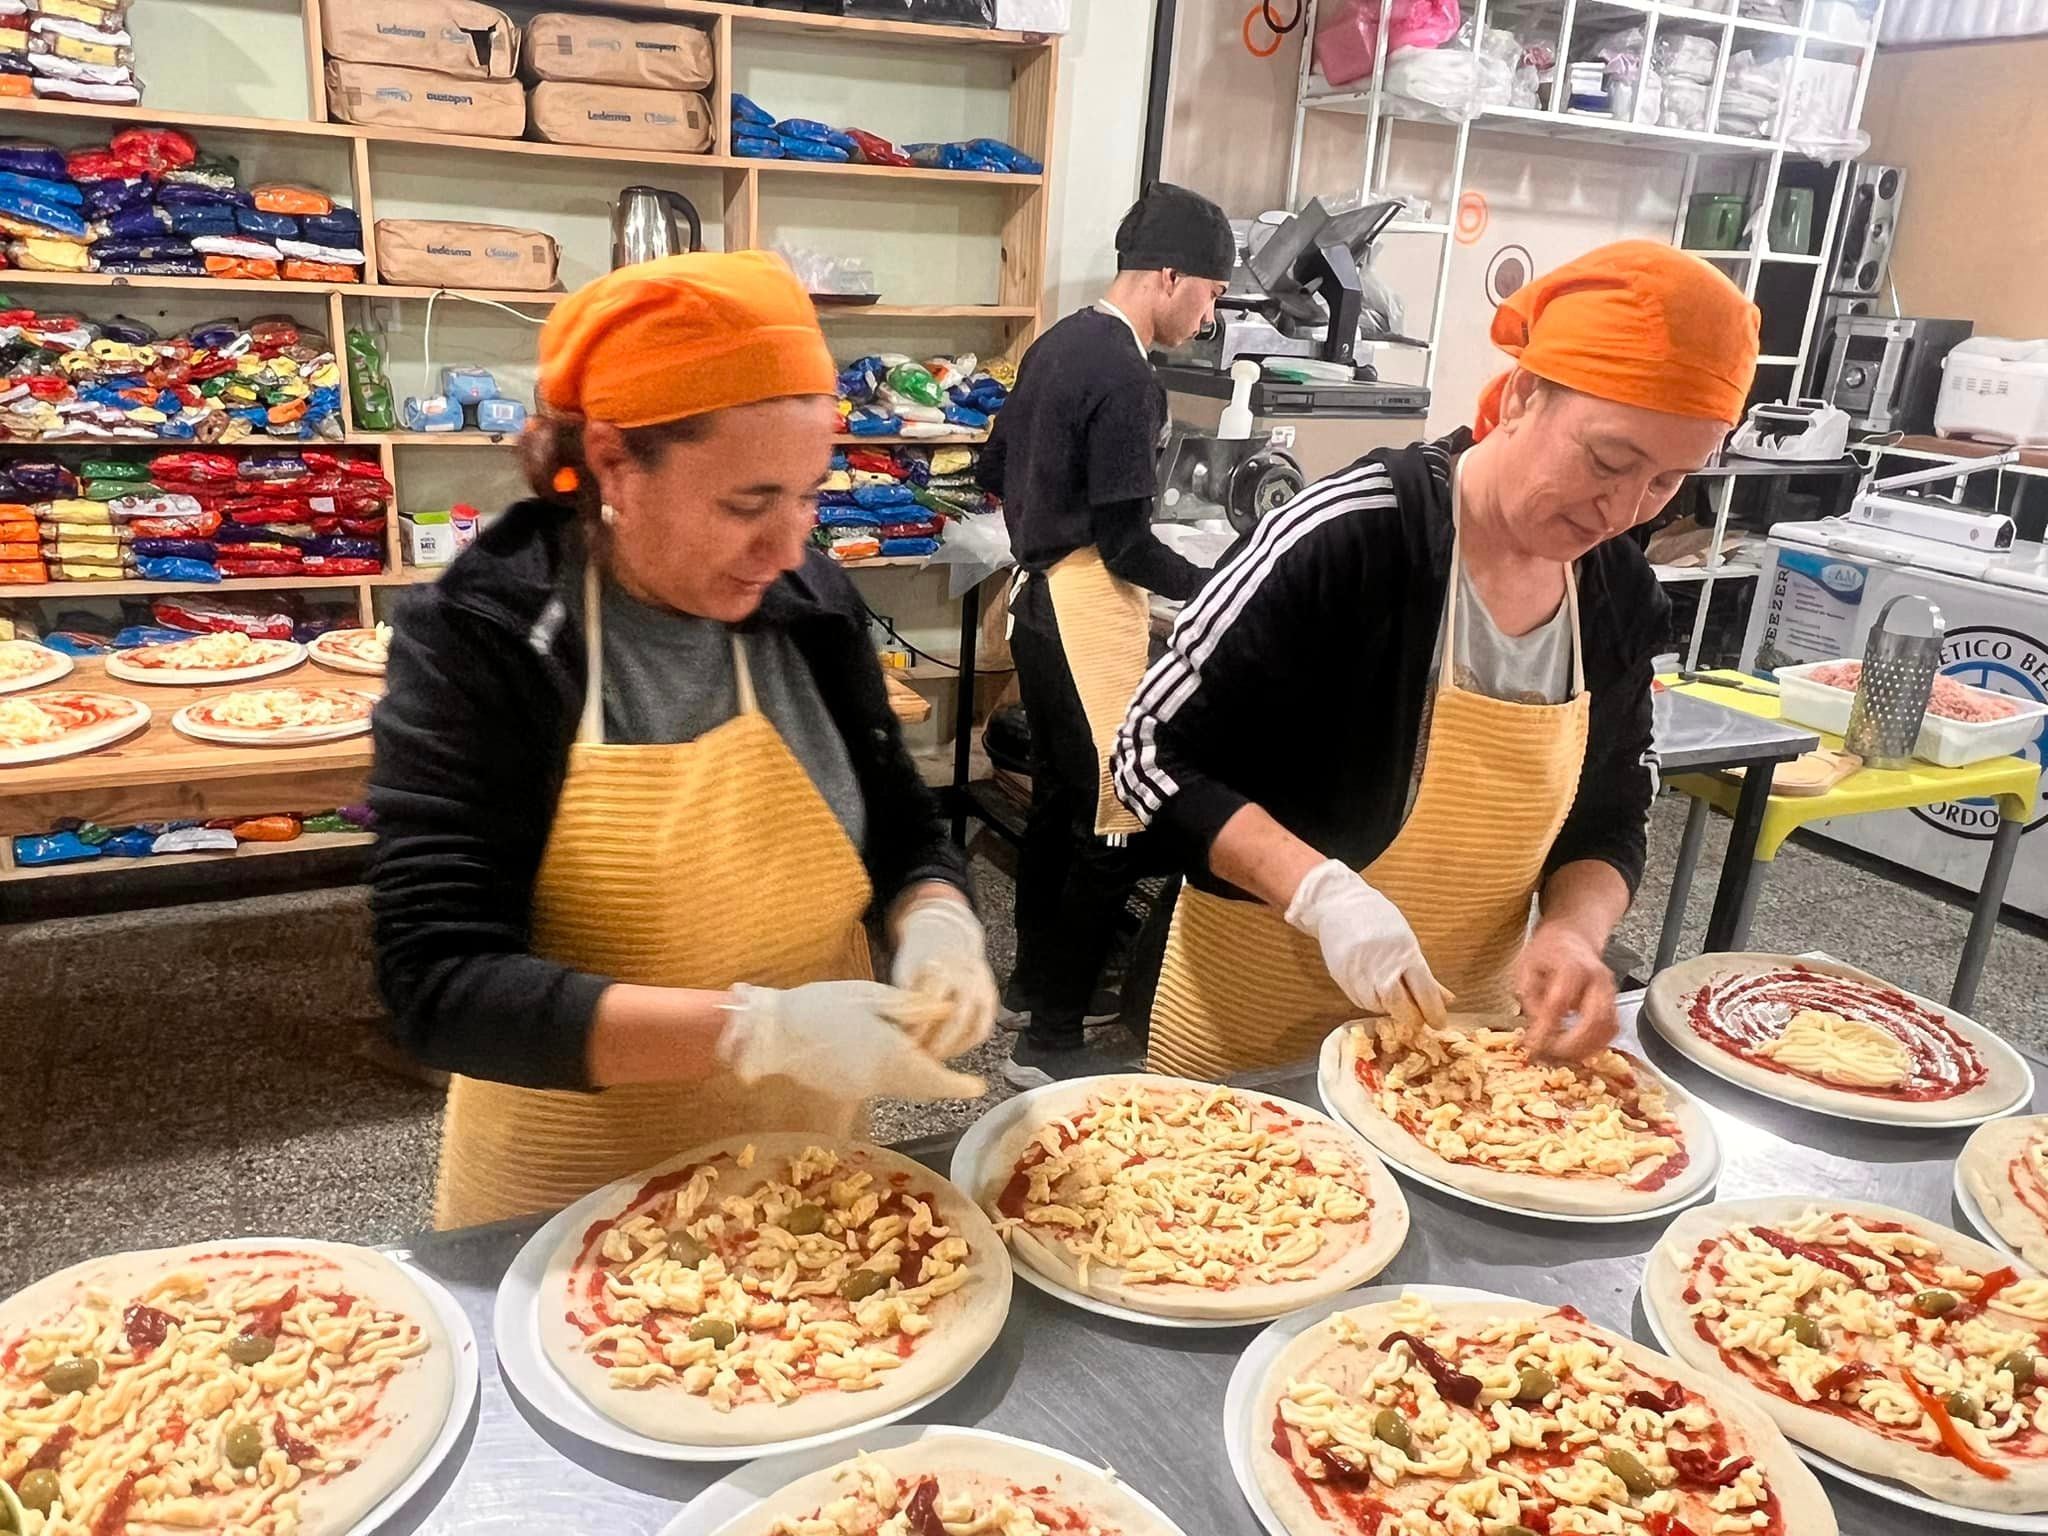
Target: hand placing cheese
1567 993
1371 951
844 1038
941 953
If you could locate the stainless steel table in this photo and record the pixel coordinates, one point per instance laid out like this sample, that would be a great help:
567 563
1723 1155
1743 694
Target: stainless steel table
1149 1402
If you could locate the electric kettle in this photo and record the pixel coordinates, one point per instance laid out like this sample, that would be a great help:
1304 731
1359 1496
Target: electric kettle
647 224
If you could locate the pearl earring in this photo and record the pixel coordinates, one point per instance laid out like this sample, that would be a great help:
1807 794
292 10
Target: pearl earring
608 514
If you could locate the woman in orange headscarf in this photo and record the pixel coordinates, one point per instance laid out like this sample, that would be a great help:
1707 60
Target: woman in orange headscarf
1416 702
638 784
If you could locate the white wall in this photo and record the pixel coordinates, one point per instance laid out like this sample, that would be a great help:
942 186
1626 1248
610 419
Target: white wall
1098 146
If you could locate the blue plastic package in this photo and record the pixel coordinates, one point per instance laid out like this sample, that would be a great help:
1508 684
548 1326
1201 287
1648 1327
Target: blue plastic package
74 642
813 149
931 156
500 415
1013 159
275 226
174 549
468 386
810 128
754 147
60 217
175 569
897 548
32 157
870 423
341 227
133 842
54 848
336 546
65 193
202 221
745 110
882 495
964 416
179 194
104 197
847 517
430 413
147 634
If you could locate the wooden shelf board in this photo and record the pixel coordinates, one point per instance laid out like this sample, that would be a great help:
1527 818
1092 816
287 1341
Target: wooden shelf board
187 445
770 20
305 842
877 562
970 440
925 312
136 588
92 112
515 296
441 439
13 276
1962 448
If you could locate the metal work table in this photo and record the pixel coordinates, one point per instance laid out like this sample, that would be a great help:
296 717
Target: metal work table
1149 1401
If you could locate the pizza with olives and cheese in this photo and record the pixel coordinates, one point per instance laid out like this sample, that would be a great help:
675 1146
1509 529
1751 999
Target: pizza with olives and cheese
251 1388
1500 1417
769 1288
354 650
206 659
1822 1035
1183 1199
954 1483
2004 1165
24 664
1466 1107
60 722
278 714
1890 1344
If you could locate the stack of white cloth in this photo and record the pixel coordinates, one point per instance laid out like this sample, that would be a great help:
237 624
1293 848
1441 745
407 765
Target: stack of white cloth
1752 95
1685 65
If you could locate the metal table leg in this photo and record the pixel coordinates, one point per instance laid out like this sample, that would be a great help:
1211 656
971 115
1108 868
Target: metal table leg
963 711
1681 881
1735 898
1984 918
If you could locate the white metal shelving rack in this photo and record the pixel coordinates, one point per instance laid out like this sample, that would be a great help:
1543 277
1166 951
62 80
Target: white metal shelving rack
1749 166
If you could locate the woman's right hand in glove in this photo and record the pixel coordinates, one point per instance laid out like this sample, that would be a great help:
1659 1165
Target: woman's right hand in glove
847 1039
1371 952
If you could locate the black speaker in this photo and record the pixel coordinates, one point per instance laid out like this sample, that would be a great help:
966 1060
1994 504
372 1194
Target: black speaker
1870 221
1834 308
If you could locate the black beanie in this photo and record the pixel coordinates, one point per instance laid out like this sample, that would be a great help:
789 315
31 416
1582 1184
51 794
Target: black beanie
1172 227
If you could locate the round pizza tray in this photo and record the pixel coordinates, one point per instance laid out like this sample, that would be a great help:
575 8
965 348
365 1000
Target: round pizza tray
1326 1065
463 1396
972 1172
341 661
1240 1434
102 735
55 666
736 1494
1896 1493
515 1325
118 665
1679 1035
292 736
1974 1213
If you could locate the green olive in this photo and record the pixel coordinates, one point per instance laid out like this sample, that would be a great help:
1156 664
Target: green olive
1534 1385
251 1348
243 1446
1390 1427
7 1518
1935 1303
2020 1366
39 1490
717 1329
685 1249
861 1284
1961 1407
804 1220
1512 1530
72 1375
1804 1329
1633 1474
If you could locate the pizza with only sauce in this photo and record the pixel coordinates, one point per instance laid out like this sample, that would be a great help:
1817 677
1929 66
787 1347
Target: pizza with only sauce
1184 1199
247 1389
1890 1344
2004 1165
772 1288
1465 1106
1505 1418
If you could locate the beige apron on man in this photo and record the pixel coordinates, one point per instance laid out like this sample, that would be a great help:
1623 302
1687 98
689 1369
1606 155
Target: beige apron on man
698 864
1240 989
1105 628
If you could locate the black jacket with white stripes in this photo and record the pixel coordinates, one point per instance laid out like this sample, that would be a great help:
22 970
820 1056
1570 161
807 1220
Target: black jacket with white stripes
1296 679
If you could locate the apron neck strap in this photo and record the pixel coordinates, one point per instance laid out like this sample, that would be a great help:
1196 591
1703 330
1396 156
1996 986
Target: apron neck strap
591 727
1448 670
743 677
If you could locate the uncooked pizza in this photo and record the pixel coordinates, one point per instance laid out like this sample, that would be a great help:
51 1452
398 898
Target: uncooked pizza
1465 1106
248 1389
279 711
53 719
2004 1165
24 664
1188 1200
1826 1036
228 652
770 1288
953 1485
354 650
1893 1345
1479 1418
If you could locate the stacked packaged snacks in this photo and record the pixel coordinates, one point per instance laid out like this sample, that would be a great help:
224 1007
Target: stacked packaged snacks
758 134
895 502
68 50
151 204
73 842
67 378
21 545
891 395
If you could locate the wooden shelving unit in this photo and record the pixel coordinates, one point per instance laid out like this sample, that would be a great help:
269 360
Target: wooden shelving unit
1012 313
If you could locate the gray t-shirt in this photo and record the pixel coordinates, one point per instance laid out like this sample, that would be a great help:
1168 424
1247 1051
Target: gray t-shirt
669 677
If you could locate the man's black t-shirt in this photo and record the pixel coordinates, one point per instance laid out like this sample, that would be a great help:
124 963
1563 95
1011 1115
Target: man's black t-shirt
1074 454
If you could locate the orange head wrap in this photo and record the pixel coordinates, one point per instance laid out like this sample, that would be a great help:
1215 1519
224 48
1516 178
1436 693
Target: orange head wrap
661 340
1634 322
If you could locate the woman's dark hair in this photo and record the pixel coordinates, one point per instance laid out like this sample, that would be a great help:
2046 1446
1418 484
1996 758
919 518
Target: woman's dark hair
551 453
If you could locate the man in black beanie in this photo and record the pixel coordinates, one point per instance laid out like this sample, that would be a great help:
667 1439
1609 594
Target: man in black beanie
1074 457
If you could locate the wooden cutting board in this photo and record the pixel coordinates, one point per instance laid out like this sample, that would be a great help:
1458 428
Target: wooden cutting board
1814 774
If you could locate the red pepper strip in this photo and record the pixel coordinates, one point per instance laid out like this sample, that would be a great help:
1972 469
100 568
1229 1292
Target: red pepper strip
145 1327
1700 1470
1951 1439
1820 1256
1994 1282
921 1513
1845 1375
1453 1383
1670 1400
45 1460
296 1451
1669 1525
265 1322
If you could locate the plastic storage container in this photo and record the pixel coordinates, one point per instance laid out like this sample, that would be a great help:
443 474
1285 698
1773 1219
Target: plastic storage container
1995 389
1944 742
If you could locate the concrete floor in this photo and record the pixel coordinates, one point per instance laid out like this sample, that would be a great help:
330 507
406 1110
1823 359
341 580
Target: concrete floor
197 1071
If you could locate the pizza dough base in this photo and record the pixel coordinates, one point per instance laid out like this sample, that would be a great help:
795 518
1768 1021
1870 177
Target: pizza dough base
1805 1507
1386 1224
77 743
415 1403
327 651
965 1322
1938 1476
1985 1160
1534 1192
119 666
980 1463
1668 1002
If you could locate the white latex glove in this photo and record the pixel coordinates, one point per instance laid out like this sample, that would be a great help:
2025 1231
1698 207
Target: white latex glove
840 1038
941 954
1368 946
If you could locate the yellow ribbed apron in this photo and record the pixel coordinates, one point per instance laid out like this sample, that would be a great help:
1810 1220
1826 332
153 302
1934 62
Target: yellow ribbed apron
698 864
1106 632
1240 989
